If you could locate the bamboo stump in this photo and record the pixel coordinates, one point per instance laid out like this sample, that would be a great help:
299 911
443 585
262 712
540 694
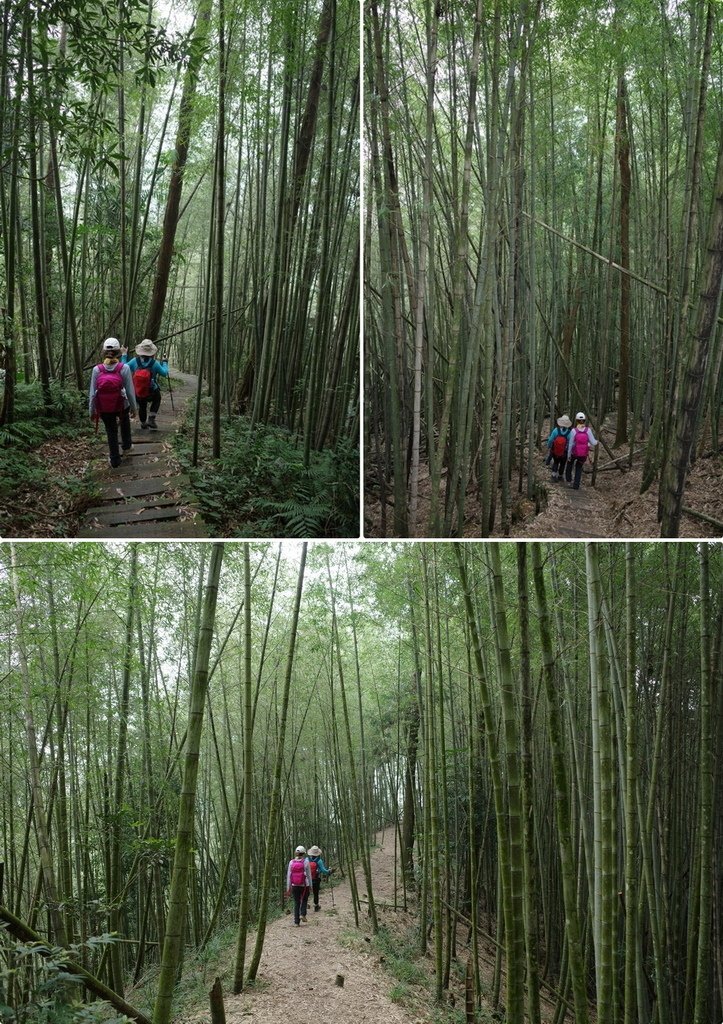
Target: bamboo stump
218 1010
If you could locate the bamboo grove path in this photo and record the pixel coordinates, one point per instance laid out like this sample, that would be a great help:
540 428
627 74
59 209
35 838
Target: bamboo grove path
141 497
569 514
297 978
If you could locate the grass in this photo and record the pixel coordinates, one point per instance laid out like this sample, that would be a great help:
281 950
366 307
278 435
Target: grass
400 956
260 486
399 993
44 481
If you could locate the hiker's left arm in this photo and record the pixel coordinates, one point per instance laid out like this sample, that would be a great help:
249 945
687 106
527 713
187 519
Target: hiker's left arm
130 390
91 393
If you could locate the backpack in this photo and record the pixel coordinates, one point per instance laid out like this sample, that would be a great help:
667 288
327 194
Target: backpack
314 868
142 383
109 396
581 444
298 875
559 445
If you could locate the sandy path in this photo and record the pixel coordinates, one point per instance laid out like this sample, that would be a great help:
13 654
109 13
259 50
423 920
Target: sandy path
299 965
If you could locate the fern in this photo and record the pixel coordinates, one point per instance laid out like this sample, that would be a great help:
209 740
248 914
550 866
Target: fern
260 486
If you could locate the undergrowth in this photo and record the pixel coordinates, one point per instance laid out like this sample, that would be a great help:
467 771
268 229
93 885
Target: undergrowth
261 488
39 494
400 953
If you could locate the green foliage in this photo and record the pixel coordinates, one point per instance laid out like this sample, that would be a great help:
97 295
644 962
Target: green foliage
398 993
400 954
260 486
23 470
33 425
54 1001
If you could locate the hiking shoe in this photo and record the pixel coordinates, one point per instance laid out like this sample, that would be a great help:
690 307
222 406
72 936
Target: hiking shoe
317 907
144 426
152 425
113 465
303 918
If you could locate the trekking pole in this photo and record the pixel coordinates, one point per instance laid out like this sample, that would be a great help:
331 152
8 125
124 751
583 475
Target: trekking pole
332 894
170 390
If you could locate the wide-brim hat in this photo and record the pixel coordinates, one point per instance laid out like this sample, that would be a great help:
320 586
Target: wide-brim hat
564 421
146 348
314 851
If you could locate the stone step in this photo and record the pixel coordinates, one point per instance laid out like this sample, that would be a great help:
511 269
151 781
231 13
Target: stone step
141 448
135 488
152 501
149 531
119 516
150 466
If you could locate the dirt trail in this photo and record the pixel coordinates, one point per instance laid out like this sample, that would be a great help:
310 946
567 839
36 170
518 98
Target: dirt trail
141 497
299 965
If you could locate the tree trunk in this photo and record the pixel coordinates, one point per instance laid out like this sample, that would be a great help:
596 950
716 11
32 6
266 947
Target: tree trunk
178 898
175 187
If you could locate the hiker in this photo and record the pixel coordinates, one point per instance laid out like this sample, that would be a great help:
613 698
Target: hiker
557 446
298 883
112 399
145 369
317 868
579 443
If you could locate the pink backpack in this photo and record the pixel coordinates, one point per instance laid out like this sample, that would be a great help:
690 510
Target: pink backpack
581 444
109 389
298 875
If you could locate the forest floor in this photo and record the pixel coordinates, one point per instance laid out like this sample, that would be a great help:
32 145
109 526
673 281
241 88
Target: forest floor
144 496
385 977
614 508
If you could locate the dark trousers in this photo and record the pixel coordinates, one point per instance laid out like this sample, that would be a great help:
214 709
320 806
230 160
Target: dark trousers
301 898
315 886
558 464
578 463
153 401
110 422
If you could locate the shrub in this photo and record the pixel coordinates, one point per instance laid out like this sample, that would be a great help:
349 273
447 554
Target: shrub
260 486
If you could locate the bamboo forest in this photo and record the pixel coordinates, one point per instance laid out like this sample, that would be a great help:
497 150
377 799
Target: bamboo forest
504 758
544 234
181 176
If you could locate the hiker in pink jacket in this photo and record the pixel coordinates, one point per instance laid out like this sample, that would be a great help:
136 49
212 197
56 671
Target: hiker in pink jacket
579 445
298 883
112 399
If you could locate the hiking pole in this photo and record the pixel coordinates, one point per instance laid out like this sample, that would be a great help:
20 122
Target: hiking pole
170 389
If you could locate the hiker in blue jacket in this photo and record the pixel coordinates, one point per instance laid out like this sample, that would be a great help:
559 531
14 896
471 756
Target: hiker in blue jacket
557 446
298 883
146 369
579 445
318 868
111 398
